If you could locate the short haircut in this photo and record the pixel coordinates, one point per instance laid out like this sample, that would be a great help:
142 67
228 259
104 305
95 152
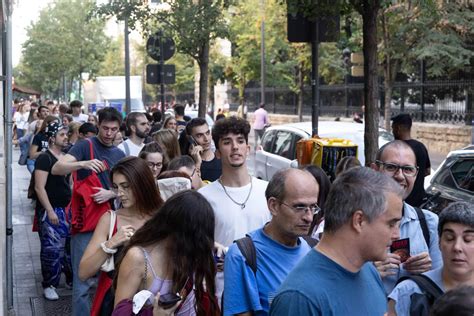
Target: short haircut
179 110
131 119
276 186
400 144
173 174
157 116
51 102
75 104
42 107
234 125
402 119
63 108
358 189
197 121
109 114
150 148
87 128
457 212
181 161
458 301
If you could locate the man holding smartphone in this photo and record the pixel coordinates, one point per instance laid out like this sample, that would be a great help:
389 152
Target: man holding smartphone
200 148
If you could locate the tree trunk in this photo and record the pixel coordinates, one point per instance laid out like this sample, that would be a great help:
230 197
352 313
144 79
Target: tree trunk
203 78
300 92
369 15
242 90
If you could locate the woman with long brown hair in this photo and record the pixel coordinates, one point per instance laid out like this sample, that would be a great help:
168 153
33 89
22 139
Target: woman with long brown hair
135 186
171 253
168 141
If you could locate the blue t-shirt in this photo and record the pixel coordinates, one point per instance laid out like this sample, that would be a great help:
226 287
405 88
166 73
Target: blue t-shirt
108 154
243 290
320 286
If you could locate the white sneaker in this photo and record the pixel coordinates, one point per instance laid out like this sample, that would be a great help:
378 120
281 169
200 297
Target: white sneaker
50 293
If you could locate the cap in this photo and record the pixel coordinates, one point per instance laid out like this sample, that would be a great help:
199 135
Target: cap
53 128
402 119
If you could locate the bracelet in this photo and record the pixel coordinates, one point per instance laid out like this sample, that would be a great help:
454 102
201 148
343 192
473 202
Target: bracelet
106 249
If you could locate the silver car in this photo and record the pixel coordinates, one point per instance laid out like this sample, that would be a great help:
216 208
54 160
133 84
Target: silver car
278 146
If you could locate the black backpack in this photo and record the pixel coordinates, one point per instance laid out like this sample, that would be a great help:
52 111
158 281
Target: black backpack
424 225
421 303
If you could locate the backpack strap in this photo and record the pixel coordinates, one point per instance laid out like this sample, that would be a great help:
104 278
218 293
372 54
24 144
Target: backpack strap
426 285
424 225
247 248
127 149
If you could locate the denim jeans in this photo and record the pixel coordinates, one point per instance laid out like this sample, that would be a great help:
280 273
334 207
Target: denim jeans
81 304
30 165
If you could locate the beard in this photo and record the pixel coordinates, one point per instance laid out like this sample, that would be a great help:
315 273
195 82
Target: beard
141 134
236 165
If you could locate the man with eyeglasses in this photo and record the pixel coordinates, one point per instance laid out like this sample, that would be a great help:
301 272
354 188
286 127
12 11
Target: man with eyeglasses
397 160
292 197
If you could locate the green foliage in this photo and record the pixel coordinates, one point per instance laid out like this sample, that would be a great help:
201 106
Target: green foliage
113 64
64 41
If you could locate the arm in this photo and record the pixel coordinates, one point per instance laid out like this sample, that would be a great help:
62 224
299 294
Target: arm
130 275
94 256
68 163
33 153
241 294
41 177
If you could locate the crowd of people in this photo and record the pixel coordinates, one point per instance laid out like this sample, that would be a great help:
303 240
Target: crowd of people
160 216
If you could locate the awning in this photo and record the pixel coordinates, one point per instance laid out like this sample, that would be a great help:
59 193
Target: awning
26 90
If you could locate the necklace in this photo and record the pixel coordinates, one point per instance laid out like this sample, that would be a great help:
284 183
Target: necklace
242 205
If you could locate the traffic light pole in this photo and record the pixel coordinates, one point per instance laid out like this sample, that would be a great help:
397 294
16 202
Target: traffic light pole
162 79
315 79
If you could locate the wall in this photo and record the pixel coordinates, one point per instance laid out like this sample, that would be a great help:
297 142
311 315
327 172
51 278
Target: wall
441 138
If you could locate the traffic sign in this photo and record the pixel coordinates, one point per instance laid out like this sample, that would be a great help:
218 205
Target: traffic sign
153 74
153 47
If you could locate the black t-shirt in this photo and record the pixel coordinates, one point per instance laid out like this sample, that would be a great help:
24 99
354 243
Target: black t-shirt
423 162
41 141
211 170
57 187
108 154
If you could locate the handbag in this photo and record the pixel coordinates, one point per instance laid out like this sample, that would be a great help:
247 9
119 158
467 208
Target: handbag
85 211
109 264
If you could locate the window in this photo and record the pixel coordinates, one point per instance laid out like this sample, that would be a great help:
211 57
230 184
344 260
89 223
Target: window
268 140
463 174
283 144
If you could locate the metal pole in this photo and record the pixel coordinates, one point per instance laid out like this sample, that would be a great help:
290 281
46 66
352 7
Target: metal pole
262 53
315 79
422 92
162 78
8 159
127 68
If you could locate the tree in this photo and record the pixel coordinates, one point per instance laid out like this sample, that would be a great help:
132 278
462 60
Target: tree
61 45
192 24
423 30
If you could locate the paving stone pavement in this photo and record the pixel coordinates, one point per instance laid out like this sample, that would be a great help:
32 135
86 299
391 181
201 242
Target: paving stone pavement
26 246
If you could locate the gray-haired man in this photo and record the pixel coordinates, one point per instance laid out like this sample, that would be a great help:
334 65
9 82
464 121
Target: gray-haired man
362 213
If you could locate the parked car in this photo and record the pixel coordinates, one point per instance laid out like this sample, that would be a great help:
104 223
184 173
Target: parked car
278 146
453 180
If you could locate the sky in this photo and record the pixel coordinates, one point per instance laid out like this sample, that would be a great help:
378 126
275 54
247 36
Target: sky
24 12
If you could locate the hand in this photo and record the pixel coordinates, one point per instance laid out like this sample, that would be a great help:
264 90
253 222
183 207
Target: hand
389 265
220 251
195 152
418 264
160 311
102 195
122 236
52 217
95 165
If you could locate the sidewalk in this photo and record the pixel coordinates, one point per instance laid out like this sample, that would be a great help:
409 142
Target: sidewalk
27 289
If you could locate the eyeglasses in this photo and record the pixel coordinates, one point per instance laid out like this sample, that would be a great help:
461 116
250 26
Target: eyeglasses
124 189
157 165
300 209
409 171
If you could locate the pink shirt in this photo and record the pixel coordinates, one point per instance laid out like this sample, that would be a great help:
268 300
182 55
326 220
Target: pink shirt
261 119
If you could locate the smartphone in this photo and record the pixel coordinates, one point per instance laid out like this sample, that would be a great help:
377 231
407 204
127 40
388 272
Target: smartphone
168 300
192 141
